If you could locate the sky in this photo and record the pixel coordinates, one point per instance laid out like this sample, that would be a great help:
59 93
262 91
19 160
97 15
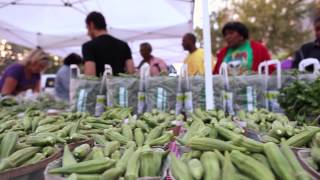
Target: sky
214 5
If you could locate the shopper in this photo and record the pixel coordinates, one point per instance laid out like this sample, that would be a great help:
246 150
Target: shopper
157 65
62 82
195 58
26 75
249 54
104 49
309 50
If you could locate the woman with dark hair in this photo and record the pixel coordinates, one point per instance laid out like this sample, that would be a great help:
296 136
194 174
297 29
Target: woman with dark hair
63 76
240 50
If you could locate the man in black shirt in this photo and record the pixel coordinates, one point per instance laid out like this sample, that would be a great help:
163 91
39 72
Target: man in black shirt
104 49
309 50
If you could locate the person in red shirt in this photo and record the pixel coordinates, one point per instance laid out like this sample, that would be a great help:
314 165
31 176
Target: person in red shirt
249 54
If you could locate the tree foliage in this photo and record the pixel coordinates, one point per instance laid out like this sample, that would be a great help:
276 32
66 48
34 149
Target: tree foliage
279 24
216 21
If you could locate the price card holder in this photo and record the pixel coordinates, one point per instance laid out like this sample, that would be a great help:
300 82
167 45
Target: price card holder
82 100
101 99
161 99
272 98
188 102
108 74
227 96
143 84
74 74
228 102
180 94
123 97
179 102
251 99
271 95
187 99
100 105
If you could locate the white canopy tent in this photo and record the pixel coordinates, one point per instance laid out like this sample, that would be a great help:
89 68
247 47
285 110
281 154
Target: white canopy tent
208 63
58 25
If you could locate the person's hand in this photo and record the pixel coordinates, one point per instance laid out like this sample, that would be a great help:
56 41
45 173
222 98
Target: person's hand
22 93
28 95
163 73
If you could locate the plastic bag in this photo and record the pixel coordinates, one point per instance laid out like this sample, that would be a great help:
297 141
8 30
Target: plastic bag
84 93
161 93
248 92
198 91
123 92
199 95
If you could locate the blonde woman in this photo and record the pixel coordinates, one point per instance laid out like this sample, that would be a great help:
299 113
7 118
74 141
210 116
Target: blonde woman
20 77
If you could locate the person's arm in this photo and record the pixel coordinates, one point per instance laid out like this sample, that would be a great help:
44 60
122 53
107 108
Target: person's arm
90 68
260 54
297 59
214 62
162 67
267 57
89 63
37 87
220 56
9 86
130 66
267 54
12 76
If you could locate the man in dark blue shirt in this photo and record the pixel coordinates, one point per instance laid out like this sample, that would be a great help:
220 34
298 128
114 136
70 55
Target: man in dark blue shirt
309 50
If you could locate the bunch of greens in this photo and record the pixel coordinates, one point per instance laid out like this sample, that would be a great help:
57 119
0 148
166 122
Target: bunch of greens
301 101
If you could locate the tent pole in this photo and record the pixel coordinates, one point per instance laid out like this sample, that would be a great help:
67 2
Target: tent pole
207 55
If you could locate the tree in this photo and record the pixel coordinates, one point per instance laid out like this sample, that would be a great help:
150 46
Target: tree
316 8
11 53
277 23
217 20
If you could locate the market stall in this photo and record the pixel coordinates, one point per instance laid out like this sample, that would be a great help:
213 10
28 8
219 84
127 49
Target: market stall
59 28
257 126
186 142
121 144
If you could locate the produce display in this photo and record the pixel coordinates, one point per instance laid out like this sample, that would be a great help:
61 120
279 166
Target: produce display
313 160
40 102
23 156
37 133
214 149
267 126
200 145
273 162
300 100
274 127
110 162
